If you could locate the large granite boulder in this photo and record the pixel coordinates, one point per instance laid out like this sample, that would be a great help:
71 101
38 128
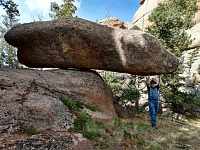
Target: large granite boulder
78 43
30 101
32 97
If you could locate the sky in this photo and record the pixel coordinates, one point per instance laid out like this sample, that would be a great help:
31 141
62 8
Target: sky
92 10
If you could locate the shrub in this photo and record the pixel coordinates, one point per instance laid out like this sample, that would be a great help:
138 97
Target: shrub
90 128
29 130
76 105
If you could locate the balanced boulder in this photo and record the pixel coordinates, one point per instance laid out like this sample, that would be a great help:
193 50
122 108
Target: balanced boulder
78 43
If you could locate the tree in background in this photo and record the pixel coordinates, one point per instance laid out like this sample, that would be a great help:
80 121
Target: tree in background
8 53
64 10
171 20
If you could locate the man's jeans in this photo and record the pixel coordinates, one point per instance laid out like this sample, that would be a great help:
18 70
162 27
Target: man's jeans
153 109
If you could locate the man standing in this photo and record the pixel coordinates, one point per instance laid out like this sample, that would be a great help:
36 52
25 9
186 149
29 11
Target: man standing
153 89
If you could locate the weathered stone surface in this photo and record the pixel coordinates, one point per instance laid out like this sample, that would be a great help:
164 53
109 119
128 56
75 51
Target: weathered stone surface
32 97
194 32
78 43
197 15
140 18
51 140
113 23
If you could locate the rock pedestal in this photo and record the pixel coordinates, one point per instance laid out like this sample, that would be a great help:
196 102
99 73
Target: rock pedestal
32 97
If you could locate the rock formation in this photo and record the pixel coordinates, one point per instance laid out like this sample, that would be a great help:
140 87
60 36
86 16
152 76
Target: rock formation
77 43
113 23
140 18
30 99
32 96
194 32
197 16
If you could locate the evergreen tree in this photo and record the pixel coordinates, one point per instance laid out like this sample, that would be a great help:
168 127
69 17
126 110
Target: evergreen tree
8 52
170 21
67 9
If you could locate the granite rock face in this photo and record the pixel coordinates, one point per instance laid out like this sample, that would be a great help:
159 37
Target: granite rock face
140 18
194 32
78 43
32 97
197 15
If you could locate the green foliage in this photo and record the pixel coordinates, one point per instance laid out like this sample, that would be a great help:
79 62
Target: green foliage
130 99
84 123
67 9
132 94
80 124
29 130
90 128
116 129
129 131
101 144
180 97
182 101
193 57
170 22
76 105
111 81
10 7
139 127
198 69
135 27
8 53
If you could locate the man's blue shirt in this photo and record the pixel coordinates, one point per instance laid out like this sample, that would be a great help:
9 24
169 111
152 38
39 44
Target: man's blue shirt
153 92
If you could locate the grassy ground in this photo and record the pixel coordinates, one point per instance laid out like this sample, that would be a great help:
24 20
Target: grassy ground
137 134
172 135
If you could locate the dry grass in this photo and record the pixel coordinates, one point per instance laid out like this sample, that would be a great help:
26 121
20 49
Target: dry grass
174 136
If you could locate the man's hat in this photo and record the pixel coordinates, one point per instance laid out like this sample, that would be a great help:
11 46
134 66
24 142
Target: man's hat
153 80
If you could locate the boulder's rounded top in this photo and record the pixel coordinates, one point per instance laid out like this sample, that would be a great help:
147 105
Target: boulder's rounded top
78 43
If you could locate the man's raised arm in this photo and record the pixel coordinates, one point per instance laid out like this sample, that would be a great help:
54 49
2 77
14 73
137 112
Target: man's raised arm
148 81
159 80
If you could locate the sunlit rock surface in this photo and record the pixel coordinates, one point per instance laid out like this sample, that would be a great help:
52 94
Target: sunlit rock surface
78 43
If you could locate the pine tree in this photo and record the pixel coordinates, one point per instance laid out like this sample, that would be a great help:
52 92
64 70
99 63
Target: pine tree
8 52
170 22
67 9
